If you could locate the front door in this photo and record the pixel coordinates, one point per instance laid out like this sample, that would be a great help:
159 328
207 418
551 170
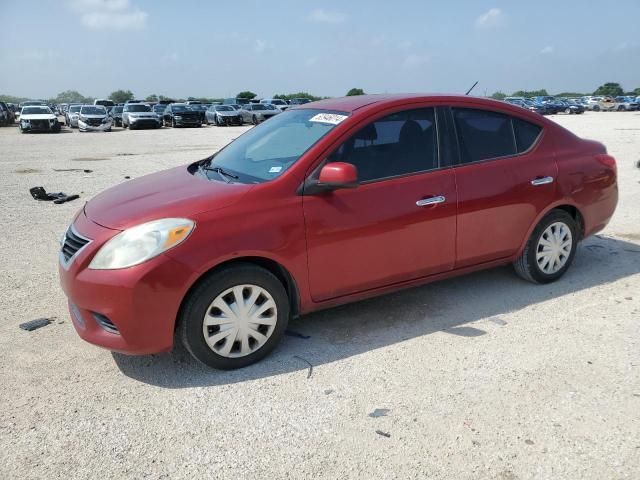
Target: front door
398 224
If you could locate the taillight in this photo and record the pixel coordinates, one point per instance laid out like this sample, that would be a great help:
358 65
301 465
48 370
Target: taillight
607 161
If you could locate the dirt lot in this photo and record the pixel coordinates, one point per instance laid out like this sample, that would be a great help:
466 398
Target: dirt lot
484 376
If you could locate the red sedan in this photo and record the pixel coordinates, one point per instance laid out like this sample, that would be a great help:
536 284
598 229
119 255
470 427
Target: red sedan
327 203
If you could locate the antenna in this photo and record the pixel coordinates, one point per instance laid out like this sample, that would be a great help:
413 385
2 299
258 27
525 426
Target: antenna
472 87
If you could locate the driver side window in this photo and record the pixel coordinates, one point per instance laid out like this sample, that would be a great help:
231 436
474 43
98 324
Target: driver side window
399 144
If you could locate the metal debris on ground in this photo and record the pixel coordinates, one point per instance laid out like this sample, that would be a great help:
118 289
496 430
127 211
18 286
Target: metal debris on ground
308 363
35 324
85 170
383 434
379 412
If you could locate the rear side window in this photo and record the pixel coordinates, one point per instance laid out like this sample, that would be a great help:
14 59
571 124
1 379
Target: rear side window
526 134
483 135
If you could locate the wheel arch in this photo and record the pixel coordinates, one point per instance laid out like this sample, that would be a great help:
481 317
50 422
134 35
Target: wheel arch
568 207
280 272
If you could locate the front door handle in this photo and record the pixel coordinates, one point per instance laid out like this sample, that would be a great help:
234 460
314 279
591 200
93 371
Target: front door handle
541 181
430 201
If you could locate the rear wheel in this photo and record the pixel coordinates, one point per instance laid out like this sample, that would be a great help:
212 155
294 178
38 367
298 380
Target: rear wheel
550 249
254 119
235 317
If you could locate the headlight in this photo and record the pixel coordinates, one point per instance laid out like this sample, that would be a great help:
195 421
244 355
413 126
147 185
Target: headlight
106 120
82 119
141 243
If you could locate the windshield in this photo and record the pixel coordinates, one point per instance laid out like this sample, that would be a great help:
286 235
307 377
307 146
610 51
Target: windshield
300 101
268 150
259 106
223 108
180 108
138 108
75 108
276 101
35 110
93 110
117 109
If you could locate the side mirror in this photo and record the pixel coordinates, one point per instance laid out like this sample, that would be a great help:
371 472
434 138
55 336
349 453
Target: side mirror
338 175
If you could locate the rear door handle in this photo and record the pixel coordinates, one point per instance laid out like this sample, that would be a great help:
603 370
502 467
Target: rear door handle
541 181
430 201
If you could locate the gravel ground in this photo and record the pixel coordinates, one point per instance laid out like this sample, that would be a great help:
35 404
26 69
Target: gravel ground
483 376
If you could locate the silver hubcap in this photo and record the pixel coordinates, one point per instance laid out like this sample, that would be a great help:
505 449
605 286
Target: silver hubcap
554 248
240 321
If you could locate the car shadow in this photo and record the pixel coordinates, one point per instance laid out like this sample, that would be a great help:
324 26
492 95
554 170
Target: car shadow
349 330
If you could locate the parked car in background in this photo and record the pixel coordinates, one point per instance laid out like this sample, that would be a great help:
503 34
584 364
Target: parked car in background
7 117
94 118
277 102
181 115
592 102
139 115
626 103
116 114
326 204
223 115
159 109
201 109
38 118
259 112
71 118
571 107
298 101
608 104
528 105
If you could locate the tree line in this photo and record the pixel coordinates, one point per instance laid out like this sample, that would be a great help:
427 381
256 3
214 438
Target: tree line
611 89
121 96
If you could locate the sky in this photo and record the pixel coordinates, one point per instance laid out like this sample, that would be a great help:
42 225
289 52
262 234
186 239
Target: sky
218 48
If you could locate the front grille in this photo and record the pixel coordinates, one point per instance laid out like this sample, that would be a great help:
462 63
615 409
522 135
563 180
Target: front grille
105 323
72 243
94 122
40 124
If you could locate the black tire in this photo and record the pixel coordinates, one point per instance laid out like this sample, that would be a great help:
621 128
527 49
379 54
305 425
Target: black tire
173 122
526 265
568 111
191 317
217 121
596 108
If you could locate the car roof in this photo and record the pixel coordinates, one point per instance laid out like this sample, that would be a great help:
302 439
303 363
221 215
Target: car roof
353 103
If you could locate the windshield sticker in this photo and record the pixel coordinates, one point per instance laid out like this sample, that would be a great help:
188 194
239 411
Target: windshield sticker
275 169
332 118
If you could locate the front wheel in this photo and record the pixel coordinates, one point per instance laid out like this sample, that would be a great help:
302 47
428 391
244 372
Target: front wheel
550 249
235 317
254 120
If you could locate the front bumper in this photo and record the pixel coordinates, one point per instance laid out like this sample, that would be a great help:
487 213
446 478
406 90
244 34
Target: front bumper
103 127
40 126
144 122
231 120
140 302
187 122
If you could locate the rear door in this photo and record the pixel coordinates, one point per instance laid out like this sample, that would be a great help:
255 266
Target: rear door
398 224
506 178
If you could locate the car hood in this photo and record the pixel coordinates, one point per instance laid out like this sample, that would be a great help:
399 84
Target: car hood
170 193
38 116
228 114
